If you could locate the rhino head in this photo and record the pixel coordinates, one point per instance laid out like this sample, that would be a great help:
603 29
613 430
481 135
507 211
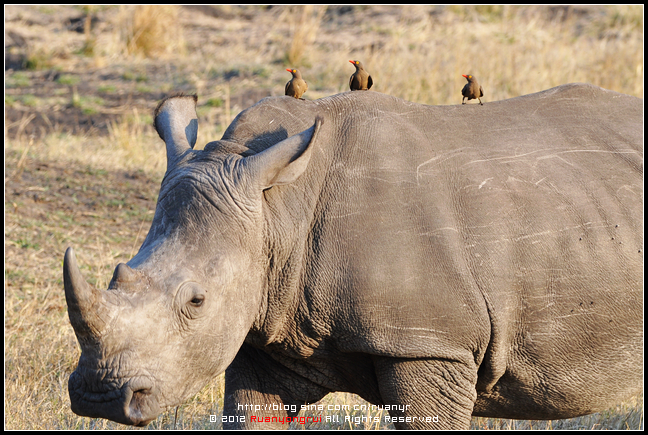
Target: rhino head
176 314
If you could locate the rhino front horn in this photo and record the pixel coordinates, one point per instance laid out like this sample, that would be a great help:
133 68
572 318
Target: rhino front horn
86 306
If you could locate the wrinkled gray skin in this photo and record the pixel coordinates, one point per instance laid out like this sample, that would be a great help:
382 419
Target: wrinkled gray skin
460 260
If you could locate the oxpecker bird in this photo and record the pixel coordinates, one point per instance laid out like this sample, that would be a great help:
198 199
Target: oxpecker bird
360 80
297 85
472 90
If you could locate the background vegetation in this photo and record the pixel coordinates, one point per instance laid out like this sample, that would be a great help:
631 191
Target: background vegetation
83 164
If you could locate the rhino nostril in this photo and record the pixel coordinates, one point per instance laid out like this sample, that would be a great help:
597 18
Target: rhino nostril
137 408
139 397
141 406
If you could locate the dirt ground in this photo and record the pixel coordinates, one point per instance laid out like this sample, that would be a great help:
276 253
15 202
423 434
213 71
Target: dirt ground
51 205
82 95
43 190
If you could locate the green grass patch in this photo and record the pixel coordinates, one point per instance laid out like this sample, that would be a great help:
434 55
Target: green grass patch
18 80
68 79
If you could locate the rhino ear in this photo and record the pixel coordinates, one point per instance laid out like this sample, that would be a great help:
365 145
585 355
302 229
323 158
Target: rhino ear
285 161
177 124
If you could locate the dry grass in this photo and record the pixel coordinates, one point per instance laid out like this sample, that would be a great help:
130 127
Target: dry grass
414 52
512 53
131 144
304 22
151 30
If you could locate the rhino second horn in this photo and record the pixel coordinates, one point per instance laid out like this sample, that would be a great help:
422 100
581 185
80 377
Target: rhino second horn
177 124
125 278
86 306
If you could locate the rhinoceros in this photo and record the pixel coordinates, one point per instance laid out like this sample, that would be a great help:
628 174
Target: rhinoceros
440 261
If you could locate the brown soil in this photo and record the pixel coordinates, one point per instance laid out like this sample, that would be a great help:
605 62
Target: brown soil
52 205
40 189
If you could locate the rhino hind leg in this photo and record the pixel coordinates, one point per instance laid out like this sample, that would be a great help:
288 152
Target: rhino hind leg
434 394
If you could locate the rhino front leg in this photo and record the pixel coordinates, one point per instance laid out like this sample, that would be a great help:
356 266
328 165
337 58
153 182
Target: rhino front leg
429 393
260 393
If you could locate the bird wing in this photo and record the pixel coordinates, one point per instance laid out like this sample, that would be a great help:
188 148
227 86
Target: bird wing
369 82
481 91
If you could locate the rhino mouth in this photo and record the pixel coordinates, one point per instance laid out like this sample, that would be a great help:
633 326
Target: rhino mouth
129 401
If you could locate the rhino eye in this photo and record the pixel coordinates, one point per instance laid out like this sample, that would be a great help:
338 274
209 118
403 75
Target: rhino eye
197 300
190 298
